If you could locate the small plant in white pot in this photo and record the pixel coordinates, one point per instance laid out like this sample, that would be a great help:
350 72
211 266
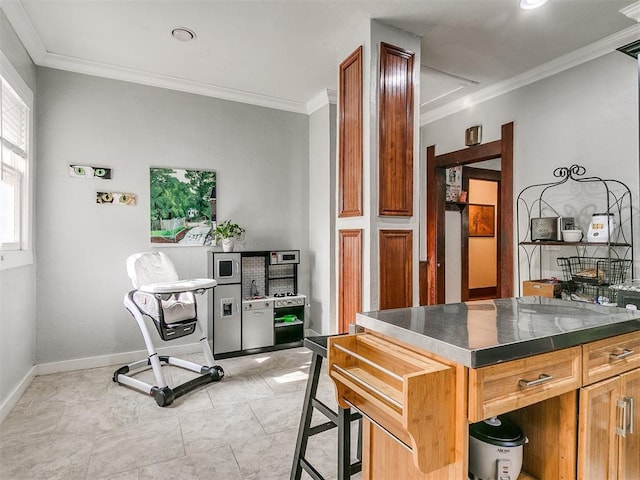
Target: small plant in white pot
228 233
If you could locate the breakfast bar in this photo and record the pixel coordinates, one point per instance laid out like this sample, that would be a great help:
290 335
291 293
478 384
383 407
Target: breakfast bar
420 376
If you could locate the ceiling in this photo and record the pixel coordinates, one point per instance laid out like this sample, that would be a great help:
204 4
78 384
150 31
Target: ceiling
283 54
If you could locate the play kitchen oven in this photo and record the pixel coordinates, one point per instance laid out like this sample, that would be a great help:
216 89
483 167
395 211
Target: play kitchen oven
288 315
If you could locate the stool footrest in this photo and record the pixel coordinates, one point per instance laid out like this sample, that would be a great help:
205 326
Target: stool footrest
307 467
323 427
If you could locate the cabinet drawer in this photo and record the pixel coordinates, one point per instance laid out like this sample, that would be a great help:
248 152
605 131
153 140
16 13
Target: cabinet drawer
609 357
409 396
511 385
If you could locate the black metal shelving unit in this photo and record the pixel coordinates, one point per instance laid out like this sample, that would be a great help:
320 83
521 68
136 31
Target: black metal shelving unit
595 266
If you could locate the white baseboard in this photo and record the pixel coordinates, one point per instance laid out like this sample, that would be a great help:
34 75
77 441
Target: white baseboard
114 359
17 392
84 363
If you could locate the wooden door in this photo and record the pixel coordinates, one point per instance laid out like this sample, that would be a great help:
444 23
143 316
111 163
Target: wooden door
629 453
597 438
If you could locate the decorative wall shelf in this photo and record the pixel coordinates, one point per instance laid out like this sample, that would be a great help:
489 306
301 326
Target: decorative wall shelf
577 195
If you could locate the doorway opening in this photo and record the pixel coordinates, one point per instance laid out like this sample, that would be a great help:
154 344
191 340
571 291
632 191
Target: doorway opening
480 262
433 290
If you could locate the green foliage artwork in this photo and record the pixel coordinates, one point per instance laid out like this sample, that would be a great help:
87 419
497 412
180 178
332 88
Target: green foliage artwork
183 206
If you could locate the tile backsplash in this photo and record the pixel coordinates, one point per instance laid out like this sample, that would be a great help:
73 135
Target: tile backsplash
253 268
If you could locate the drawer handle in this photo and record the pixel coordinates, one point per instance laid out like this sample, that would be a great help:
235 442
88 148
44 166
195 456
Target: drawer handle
532 383
620 356
631 413
627 405
368 386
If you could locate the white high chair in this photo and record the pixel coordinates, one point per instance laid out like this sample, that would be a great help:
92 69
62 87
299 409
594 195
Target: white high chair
171 304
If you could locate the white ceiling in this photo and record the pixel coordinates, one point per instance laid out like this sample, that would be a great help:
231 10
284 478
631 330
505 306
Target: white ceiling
283 53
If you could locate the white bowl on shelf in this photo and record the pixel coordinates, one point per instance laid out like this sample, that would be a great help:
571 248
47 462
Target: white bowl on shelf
571 235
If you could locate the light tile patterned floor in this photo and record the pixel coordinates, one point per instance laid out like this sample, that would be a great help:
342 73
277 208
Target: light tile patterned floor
81 425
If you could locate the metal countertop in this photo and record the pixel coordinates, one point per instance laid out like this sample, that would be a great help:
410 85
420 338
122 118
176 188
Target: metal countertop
486 332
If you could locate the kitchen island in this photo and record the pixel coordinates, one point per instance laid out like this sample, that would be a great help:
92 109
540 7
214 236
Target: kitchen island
568 373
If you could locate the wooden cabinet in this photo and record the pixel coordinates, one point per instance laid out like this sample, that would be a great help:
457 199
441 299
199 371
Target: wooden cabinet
578 407
629 445
609 441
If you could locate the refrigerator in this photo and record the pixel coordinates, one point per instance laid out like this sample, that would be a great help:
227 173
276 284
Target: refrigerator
225 327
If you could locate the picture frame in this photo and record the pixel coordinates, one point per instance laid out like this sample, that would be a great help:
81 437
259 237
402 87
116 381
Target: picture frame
482 220
183 207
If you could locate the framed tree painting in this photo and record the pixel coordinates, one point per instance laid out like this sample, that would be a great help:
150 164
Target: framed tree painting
482 220
182 206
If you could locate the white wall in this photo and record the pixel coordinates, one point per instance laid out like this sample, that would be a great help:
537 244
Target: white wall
17 285
586 115
322 219
260 156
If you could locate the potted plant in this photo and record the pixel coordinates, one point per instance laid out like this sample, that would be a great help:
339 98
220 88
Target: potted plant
228 232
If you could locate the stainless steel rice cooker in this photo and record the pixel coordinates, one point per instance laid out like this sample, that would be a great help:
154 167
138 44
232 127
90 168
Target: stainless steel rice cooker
495 449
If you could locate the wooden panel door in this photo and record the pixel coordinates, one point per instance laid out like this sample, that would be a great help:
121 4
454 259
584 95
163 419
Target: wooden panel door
350 128
349 278
629 451
396 268
597 439
395 125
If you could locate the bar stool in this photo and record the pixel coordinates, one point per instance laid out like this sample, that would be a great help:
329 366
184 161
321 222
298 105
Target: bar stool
341 419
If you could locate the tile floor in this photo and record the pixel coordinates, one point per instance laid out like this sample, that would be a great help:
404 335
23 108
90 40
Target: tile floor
81 425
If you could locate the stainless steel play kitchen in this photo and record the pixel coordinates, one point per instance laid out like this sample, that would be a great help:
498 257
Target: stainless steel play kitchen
257 306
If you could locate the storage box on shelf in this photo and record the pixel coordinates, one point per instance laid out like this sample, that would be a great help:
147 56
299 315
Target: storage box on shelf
589 275
549 288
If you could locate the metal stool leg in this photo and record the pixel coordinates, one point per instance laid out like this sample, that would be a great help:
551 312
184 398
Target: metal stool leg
305 419
344 443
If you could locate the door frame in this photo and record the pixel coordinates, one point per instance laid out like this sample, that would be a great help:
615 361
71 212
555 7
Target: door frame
436 180
470 173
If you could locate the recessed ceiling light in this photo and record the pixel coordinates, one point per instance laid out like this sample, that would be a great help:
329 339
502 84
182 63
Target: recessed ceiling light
183 34
529 4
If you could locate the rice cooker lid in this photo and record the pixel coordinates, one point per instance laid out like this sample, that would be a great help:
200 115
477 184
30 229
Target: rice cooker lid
498 431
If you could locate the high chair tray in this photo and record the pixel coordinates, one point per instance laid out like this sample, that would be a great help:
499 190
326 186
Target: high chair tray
179 286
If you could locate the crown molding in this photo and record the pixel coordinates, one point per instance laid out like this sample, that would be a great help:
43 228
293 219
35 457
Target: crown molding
632 11
325 97
114 72
560 64
25 30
